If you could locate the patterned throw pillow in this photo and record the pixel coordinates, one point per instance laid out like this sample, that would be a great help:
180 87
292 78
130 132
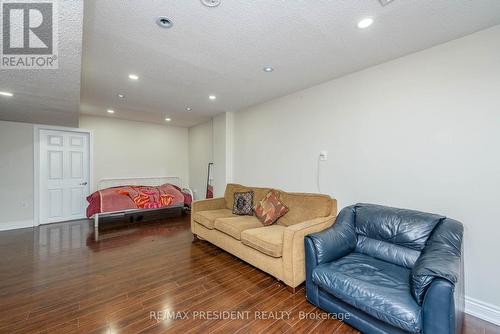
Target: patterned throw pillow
243 202
270 209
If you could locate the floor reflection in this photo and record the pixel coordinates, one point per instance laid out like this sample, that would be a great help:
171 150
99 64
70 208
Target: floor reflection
44 241
125 233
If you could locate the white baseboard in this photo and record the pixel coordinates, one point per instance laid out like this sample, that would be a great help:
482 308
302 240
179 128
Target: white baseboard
482 310
16 224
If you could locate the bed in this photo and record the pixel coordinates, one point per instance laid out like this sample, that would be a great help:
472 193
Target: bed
122 197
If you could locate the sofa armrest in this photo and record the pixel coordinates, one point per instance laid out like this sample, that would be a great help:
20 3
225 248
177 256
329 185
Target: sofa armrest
204 205
208 204
293 247
337 241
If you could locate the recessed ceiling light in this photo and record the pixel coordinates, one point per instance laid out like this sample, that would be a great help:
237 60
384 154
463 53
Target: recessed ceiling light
268 68
164 22
212 97
133 77
111 111
365 23
168 119
189 109
6 94
385 2
121 96
211 3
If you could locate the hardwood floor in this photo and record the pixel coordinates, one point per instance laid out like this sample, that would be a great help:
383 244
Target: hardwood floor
147 278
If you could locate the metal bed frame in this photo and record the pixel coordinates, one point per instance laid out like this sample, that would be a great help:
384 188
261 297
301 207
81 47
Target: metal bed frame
143 181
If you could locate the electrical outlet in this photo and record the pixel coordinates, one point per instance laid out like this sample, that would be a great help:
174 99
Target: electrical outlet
24 204
323 155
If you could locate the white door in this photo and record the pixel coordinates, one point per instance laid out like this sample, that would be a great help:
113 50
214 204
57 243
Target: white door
64 175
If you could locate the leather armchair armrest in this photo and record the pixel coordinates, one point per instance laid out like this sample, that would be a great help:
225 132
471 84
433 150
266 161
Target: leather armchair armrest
444 304
293 247
440 258
208 204
311 263
328 245
337 241
438 308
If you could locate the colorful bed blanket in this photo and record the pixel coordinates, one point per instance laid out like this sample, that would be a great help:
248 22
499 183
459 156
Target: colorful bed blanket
136 197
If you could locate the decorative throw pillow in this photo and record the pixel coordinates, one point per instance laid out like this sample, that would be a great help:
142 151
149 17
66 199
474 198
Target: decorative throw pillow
270 209
243 202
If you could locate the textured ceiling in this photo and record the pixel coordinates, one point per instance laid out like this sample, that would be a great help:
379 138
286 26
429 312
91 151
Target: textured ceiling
222 50
49 96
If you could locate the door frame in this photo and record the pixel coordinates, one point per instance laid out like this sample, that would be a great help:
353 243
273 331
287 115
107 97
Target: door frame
36 165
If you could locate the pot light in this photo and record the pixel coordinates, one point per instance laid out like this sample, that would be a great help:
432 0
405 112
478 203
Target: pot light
268 68
6 94
133 77
121 96
168 119
212 97
385 2
365 23
164 22
211 3
111 111
189 109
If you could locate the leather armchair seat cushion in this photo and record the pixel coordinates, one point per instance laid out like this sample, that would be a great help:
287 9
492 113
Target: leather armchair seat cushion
268 239
233 226
207 218
379 288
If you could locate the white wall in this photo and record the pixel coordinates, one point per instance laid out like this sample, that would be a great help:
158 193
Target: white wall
16 175
211 142
121 149
200 154
229 147
421 132
219 149
134 149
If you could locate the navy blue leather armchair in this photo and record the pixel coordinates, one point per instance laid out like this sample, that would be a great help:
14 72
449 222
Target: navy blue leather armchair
388 270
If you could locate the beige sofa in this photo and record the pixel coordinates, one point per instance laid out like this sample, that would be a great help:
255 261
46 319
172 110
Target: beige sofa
277 249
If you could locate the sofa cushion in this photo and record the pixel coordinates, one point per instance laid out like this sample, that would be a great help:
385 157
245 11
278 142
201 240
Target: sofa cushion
207 218
268 239
270 209
243 203
379 288
407 228
235 225
304 207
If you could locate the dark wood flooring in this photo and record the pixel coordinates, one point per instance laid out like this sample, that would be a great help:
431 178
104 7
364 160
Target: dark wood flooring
57 279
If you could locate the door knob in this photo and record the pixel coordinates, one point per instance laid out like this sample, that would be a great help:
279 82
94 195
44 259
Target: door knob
83 183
